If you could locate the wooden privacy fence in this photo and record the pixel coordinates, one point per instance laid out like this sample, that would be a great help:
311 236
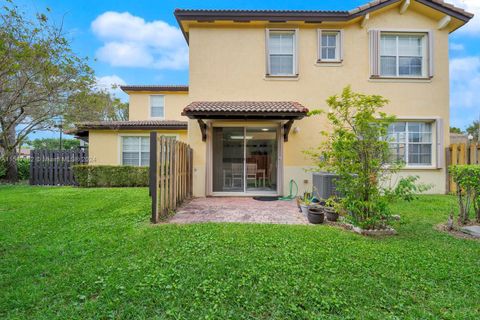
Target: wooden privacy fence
171 174
461 153
54 167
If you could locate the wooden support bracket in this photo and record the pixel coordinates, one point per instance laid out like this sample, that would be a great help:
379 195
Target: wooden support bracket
286 129
203 129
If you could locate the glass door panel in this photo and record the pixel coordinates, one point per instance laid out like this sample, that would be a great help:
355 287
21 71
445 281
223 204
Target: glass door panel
261 159
228 154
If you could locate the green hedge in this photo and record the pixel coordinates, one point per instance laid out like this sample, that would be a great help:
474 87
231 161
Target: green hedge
110 176
23 167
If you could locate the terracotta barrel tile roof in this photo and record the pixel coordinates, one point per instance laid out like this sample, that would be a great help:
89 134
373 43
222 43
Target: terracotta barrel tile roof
242 107
144 124
155 88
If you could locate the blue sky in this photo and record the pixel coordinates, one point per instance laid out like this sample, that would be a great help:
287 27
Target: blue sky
114 33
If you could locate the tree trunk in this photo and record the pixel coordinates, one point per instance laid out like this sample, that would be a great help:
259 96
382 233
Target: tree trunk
11 156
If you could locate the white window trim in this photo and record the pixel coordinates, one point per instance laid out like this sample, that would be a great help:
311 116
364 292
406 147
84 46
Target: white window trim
434 133
428 53
121 136
295 52
339 46
150 106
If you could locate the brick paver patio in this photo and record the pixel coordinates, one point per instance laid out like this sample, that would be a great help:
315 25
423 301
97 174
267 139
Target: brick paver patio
238 209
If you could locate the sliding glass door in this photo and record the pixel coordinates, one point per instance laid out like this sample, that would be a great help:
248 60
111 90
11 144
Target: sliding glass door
244 159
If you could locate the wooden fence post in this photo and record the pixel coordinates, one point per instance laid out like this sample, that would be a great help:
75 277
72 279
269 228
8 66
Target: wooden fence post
153 176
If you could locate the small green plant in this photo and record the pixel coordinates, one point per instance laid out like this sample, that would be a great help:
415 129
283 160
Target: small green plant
408 189
307 198
467 178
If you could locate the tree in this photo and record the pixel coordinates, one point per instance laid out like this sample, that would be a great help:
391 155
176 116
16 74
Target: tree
357 150
474 129
456 130
95 106
54 144
39 72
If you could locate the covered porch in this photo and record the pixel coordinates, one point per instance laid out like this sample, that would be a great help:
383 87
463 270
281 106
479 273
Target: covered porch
244 144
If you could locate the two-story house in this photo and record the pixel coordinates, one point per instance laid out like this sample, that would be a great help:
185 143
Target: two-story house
255 73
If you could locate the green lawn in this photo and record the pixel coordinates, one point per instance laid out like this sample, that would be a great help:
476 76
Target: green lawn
91 253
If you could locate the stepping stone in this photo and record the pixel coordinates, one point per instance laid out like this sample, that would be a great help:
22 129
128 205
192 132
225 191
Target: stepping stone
472 230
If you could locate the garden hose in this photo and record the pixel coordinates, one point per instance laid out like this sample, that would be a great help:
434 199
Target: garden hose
291 196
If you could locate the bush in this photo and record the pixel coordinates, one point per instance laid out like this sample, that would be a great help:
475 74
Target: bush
358 152
467 178
110 176
23 166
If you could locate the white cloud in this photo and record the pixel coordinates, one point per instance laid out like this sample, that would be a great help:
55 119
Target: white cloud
107 82
457 46
472 6
130 41
465 93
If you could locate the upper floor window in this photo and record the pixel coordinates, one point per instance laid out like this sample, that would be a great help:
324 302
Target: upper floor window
403 55
330 45
281 48
411 143
157 106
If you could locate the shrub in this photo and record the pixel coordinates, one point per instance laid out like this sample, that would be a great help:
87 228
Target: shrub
407 189
467 178
110 176
357 150
23 167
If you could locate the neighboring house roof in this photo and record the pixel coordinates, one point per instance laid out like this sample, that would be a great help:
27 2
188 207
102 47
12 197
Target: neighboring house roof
83 127
458 138
206 109
176 88
310 16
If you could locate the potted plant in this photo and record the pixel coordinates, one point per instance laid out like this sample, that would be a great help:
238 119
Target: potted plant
305 201
330 209
315 214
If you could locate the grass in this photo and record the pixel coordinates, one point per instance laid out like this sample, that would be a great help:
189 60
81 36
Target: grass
91 253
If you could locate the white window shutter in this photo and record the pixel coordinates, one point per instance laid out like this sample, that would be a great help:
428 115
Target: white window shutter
267 51
440 134
319 39
431 48
297 32
341 35
374 53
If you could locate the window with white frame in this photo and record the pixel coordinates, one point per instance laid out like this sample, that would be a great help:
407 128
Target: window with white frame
281 52
411 143
135 151
157 106
403 55
330 45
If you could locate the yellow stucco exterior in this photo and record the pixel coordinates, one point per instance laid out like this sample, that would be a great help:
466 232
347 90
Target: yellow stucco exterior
228 63
105 147
140 102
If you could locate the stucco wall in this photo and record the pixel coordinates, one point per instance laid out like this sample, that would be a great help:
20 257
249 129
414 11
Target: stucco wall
228 63
105 145
139 107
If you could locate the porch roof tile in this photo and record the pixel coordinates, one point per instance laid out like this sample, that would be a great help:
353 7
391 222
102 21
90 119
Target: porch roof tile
142 124
245 107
